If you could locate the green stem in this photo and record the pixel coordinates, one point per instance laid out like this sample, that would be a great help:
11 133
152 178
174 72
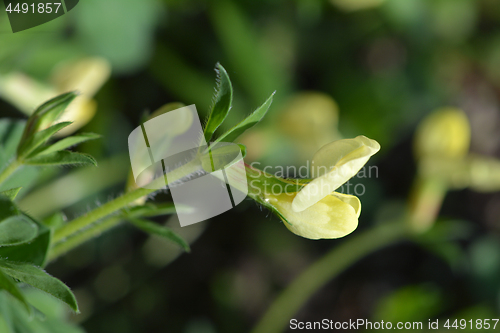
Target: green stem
108 208
112 206
91 232
326 268
9 170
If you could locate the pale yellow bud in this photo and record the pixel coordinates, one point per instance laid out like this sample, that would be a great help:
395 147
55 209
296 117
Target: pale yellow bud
445 133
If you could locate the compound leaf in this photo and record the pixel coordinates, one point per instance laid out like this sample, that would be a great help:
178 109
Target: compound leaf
39 279
39 138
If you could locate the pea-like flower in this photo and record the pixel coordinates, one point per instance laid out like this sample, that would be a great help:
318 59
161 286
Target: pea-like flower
312 209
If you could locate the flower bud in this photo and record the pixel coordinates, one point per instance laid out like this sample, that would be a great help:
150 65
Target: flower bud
445 133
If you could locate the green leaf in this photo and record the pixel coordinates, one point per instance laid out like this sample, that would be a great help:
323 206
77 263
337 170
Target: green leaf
12 193
28 147
154 209
247 123
243 149
62 158
7 208
10 286
34 252
11 132
39 279
6 317
44 116
68 142
222 102
221 155
55 220
159 230
50 318
17 230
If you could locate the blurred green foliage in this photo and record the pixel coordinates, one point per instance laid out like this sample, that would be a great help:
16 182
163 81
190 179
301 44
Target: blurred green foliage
385 64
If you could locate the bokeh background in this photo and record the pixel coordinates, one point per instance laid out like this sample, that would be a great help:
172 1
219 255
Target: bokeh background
341 68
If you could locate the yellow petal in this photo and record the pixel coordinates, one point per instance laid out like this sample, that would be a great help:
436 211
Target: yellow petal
333 165
444 133
87 76
351 200
24 92
329 218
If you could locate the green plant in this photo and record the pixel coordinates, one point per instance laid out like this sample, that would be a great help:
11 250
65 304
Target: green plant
28 245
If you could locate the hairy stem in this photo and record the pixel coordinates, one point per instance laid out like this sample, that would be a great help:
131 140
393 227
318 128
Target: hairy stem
93 231
326 268
107 209
9 170
84 221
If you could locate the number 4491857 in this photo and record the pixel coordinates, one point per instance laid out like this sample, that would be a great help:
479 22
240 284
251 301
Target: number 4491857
472 324
40 8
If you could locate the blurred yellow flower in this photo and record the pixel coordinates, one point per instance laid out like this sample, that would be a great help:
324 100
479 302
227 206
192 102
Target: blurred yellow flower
353 5
445 133
311 117
85 76
442 148
333 165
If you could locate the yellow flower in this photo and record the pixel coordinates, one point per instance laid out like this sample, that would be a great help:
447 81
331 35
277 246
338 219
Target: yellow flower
313 209
311 119
334 216
441 146
333 165
445 133
85 76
